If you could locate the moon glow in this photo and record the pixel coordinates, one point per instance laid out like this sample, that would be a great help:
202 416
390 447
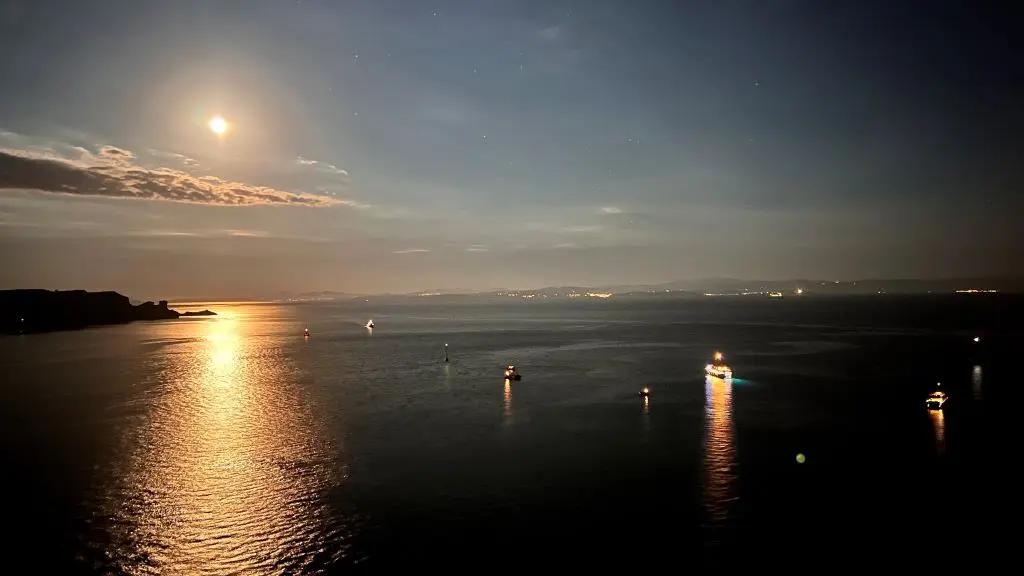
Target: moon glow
219 126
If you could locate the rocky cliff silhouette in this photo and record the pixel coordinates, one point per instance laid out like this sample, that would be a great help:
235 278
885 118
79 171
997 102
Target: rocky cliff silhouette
33 311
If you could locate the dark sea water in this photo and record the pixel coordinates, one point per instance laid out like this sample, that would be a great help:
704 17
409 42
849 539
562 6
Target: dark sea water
232 445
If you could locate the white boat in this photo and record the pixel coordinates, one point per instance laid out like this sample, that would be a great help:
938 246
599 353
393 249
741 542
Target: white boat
718 367
370 323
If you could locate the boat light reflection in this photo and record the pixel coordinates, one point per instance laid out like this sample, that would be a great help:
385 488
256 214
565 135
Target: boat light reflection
939 424
719 455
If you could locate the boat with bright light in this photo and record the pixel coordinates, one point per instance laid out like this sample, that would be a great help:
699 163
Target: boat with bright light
369 324
936 400
644 393
718 368
511 373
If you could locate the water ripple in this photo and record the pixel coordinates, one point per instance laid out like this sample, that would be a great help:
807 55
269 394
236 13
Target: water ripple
719 458
227 471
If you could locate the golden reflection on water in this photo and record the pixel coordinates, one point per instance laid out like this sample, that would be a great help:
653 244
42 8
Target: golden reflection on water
939 423
227 474
507 403
719 451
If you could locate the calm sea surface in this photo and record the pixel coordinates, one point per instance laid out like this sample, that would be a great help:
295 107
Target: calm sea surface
232 445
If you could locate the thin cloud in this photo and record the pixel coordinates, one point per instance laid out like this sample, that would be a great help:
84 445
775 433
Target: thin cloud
581 229
185 160
611 210
321 166
550 33
411 251
163 233
247 233
477 248
113 172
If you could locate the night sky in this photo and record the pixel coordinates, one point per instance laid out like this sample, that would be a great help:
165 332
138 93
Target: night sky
399 145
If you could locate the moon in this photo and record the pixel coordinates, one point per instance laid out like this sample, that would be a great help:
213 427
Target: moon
219 126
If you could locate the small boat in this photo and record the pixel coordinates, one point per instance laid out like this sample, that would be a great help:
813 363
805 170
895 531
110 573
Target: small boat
935 400
511 374
644 393
306 333
369 324
718 367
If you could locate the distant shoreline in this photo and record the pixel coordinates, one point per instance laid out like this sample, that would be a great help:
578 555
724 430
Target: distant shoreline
36 311
683 288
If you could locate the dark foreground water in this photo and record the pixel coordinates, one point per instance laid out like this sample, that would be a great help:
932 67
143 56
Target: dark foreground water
231 445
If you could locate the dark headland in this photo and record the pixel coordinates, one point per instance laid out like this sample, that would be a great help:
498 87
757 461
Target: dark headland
34 311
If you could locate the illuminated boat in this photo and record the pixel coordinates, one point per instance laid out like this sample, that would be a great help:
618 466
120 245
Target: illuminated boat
369 324
718 367
306 333
644 393
935 400
511 374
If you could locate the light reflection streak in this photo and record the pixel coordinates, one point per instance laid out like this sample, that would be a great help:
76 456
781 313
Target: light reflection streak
719 456
976 383
646 410
939 423
229 472
507 403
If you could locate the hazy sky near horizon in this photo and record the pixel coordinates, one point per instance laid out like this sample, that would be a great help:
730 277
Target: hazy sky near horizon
398 145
